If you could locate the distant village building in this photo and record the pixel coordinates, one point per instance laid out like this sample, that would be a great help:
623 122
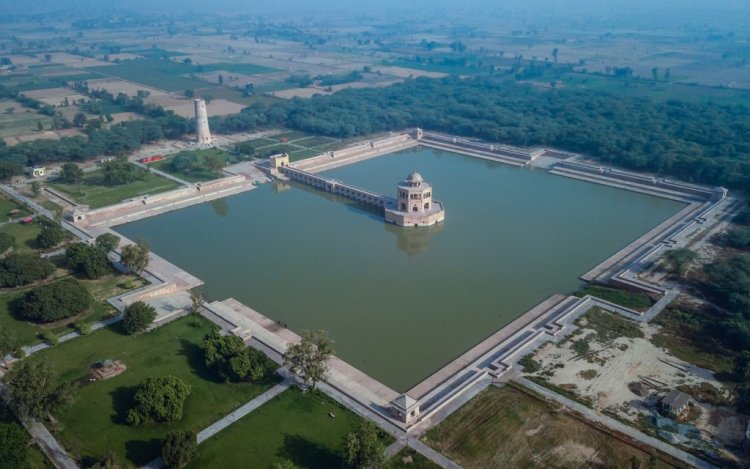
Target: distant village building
37 171
676 402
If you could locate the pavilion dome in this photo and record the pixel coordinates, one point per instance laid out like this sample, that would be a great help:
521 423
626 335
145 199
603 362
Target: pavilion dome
415 177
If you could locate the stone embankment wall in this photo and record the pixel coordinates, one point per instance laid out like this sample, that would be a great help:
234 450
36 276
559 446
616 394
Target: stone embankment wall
145 206
336 187
359 152
516 156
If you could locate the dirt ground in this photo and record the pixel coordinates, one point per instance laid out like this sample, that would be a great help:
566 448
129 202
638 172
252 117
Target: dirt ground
506 427
56 96
610 372
115 86
185 107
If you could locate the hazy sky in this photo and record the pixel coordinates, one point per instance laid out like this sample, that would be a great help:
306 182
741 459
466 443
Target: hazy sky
718 13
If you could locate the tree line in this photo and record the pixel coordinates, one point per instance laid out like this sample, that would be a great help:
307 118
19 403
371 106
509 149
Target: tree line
699 142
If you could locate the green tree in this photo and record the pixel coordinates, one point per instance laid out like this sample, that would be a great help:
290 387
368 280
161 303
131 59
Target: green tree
308 358
363 448
79 120
39 126
9 344
107 242
88 260
189 93
36 188
55 301
679 260
179 448
137 317
71 173
742 367
136 256
22 269
8 169
196 300
232 360
32 389
13 443
108 461
159 399
284 464
50 236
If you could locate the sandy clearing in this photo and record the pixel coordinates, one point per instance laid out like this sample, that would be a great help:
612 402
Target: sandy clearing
125 116
56 96
186 108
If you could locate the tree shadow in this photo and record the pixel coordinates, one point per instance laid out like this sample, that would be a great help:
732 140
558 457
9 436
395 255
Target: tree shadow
122 402
306 453
197 362
142 451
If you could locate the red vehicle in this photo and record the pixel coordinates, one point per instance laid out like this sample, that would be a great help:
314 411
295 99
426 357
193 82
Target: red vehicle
151 159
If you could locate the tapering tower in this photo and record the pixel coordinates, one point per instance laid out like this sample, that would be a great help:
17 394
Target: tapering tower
201 124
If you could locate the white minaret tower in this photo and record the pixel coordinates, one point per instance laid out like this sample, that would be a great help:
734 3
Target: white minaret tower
201 123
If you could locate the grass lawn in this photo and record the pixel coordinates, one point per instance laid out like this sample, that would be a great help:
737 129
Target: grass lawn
293 426
95 422
508 427
6 205
102 289
636 301
93 193
25 235
417 461
199 172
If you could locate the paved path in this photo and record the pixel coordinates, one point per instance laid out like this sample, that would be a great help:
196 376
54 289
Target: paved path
616 425
49 445
242 411
394 448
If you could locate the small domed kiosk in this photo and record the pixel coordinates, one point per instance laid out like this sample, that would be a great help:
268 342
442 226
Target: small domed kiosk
414 205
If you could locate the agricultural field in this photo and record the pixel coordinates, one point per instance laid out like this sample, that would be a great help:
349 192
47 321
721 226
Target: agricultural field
95 194
509 427
293 426
160 74
95 423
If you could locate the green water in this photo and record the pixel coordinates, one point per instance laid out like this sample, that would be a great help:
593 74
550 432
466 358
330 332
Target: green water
402 302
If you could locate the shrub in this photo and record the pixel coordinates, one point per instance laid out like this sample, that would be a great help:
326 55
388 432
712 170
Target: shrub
50 337
159 399
179 448
55 301
84 328
529 364
22 269
50 236
107 242
138 317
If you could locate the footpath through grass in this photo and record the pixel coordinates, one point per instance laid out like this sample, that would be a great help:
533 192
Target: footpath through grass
95 194
95 423
294 426
507 427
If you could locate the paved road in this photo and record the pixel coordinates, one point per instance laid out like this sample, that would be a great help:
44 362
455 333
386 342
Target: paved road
616 425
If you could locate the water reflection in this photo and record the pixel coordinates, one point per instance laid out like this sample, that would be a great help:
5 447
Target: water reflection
221 207
413 240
